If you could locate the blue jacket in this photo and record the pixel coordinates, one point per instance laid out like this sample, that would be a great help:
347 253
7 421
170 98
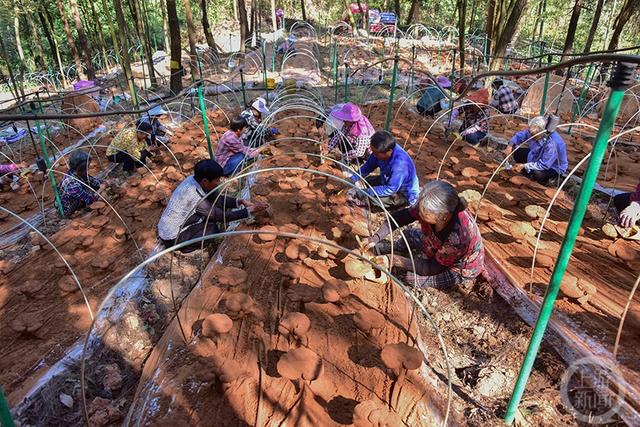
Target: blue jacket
548 153
398 174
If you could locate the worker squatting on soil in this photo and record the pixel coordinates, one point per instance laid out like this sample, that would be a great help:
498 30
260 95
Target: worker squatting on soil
352 133
159 134
447 249
628 205
9 175
192 212
231 152
78 189
546 157
255 133
131 147
397 185
434 100
475 117
503 98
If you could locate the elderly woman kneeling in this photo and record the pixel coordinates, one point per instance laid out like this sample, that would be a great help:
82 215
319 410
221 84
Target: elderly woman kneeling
447 249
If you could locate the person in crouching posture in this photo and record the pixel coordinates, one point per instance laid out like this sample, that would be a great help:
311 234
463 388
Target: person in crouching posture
192 212
78 189
231 151
447 249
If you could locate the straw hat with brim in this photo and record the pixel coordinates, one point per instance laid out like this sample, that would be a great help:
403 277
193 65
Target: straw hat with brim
261 105
348 113
443 82
480 96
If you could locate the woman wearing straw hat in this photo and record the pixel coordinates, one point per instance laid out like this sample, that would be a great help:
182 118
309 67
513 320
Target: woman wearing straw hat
255 133
354 138
431 101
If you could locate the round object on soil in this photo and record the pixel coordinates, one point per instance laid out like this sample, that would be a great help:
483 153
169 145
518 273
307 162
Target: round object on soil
232 276
290 228
401 355
610 230
100 221
322 252
335 290
292 250
569 287
239 254
522 229
268 233
482 180
97 205
472 197
68 284
455 160
518 180
260 190
535 211
300 363
239 303
31 287
550 192
290 270
120 233
369 413
544 261
368 320
306 218
27 323
470 172
469 151
357 268
299 183
360 228
216 324
625 251
297 324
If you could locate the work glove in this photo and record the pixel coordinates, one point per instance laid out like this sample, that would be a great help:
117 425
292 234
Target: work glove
275 131
630 215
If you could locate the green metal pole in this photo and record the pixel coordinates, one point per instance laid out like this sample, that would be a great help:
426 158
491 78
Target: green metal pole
244 89
578 108
52 179
205 119
453 67
335 69
387 123
622 79
546 87
264 73
5 413
346 82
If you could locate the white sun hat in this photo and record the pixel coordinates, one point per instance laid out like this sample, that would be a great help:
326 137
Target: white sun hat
261 105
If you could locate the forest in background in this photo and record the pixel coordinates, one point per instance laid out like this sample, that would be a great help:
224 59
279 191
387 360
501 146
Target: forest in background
51 35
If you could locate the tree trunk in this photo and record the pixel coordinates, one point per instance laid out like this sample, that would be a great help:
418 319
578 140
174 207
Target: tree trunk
207 28
473 15
304 10
103 45
124 44
16 29
146 45
573 25
594 26
70 41
37 42
397 10
274 21
82 39
235 9
413 12
506 35
112 32
12 77
462 16
544 10
244 25
176 53
352 20
191 36
48 31
629 8
491 9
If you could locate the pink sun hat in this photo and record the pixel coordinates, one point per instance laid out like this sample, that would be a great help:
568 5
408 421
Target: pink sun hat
348 113
443 82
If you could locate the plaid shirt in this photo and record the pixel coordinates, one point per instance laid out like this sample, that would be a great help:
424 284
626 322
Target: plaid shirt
355 146
76 193
231 144
255 134
475 120
504 100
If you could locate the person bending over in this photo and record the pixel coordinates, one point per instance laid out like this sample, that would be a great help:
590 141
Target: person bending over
546 157
354 138
503 98
192 212
10 174
231 151
130 147
434 100
447 249
78 189
475 117
628 205
159 134
397 185
255 134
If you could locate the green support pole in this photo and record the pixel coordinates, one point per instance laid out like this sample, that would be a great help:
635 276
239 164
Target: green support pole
621 79
244 89
264 73
452 77
52 179
413 61
546 87
5 413
346 82
485 54
335 69
578 108
205 119
387 123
